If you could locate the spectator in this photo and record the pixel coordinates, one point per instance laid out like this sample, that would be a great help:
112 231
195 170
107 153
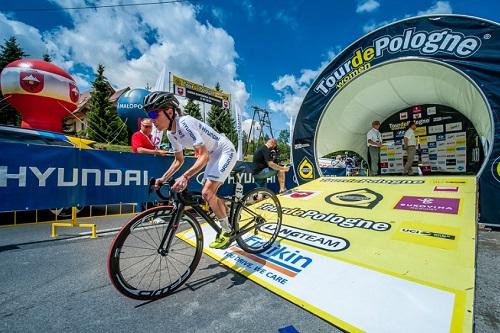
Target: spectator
142 140
410 147
338 162
374 142
264 166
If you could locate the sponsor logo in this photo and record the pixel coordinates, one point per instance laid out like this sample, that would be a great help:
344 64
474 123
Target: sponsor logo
181 91
404 124
301 194
360 198
452 127
306 170
341 221
31 81
371 181
427 233
438 119
495 169
417 116
74 93
130 106
281 259
64 177
445 188
431 110
387 135
423 42
403 116
301 145
427 204
436 129
318 240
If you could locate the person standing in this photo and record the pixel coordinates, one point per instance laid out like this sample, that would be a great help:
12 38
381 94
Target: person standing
142 140
410 147
374 142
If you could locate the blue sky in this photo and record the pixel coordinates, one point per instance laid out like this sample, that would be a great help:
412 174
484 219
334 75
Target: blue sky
265 53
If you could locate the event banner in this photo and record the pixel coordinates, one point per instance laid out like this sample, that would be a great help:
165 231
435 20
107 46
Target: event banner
189 89
388 254
465 44
41 177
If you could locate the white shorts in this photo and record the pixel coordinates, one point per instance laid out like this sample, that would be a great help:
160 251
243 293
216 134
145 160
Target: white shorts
220 162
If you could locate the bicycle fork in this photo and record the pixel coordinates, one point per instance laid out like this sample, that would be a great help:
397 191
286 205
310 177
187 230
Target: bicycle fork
166 241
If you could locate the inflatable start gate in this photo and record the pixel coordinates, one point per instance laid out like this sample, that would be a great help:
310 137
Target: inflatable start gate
447 60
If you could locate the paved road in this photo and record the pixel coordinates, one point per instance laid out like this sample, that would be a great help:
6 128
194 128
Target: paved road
62 285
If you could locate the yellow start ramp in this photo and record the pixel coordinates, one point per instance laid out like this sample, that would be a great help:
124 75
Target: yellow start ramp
387 254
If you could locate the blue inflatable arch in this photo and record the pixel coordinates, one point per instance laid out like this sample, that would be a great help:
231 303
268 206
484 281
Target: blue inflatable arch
448 60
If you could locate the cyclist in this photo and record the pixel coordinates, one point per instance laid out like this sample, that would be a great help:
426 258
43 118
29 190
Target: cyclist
212 149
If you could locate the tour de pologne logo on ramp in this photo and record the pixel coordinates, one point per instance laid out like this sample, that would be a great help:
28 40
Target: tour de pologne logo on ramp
426 204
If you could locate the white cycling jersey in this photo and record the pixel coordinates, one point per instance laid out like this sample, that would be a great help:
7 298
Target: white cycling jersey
190 133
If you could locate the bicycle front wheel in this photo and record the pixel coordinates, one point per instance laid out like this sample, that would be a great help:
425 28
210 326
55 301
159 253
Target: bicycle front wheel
139 269
258 220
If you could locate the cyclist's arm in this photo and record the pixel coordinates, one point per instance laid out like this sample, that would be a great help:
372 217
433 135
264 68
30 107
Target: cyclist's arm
176 164
200 163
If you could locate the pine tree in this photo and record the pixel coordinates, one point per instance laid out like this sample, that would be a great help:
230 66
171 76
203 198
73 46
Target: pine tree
104 124
193 109
9 52
47 58
222 121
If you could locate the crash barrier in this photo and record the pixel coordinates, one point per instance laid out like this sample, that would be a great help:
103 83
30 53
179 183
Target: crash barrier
378 254
37 178
40 216
448 60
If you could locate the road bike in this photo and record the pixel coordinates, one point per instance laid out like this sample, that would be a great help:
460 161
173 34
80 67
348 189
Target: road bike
148 259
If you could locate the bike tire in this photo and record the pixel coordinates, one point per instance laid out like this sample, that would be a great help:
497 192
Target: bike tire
259 215
135 266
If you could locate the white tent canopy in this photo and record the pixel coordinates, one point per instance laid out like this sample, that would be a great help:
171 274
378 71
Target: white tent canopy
391 87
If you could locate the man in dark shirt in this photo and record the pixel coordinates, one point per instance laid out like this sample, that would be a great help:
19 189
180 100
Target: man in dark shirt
264 167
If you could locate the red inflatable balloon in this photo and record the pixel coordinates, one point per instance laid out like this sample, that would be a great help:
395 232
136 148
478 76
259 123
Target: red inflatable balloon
42 92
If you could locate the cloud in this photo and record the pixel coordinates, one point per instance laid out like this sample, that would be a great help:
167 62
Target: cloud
292 89
135 43
28 37
367 6
440 7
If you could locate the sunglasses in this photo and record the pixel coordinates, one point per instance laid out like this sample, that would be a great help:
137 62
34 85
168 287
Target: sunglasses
147 126
154 113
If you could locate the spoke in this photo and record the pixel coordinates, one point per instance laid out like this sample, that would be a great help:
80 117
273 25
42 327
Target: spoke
140 261
154 246
138 247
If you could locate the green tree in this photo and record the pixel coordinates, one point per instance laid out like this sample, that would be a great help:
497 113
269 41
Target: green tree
9 52
284 136
193 109
46 57
104 124
222 121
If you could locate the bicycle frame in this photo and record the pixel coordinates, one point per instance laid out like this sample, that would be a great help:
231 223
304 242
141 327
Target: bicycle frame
181 203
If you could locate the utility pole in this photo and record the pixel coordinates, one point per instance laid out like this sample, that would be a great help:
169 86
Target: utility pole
262 117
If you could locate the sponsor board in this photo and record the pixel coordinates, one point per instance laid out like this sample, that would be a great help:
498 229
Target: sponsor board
429 204
300 194
326 251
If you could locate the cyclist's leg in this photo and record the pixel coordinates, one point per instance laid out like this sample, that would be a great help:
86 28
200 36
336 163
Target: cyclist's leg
218 169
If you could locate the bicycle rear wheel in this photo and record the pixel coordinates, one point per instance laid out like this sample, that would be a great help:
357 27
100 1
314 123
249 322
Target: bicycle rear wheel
258 219
136 266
